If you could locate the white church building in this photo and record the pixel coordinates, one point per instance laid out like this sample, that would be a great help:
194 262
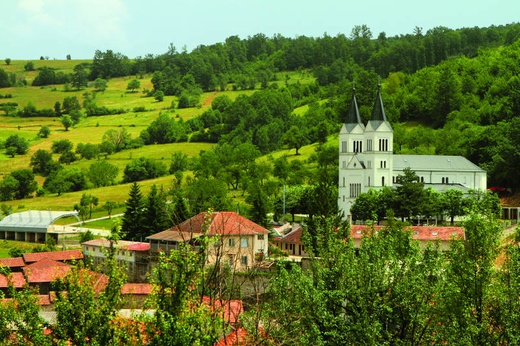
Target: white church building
367 161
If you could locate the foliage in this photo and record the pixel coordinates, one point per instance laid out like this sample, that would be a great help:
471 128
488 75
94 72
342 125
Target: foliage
15 144
133 219
144 168
102 173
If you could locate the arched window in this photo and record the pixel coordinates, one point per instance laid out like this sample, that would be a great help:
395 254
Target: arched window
382 181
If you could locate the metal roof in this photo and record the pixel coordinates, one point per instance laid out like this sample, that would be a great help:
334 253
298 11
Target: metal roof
433 163
33 220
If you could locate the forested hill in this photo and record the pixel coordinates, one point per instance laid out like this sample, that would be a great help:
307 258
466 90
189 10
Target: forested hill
446 91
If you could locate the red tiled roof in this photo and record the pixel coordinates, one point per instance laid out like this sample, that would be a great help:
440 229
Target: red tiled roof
224 223
132 288
46 262
121 244
65 255
236 337
231 309
40 274
294 236
12 262
17 279
418 232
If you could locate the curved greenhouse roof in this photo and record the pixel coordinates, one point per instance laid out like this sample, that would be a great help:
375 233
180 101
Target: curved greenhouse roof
33 220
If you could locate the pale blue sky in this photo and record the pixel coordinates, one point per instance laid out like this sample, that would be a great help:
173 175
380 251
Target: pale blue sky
54 28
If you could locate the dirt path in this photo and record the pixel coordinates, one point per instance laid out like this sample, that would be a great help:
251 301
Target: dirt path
209 100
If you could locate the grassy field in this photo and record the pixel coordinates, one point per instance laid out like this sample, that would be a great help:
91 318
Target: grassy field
7 245
91 129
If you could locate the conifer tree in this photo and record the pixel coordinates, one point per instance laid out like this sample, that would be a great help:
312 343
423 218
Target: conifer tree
157 218
133 218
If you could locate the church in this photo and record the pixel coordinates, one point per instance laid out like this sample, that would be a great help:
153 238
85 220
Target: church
367 161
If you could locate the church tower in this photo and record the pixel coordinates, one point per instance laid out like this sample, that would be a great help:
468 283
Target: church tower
365 153
379 136
351 157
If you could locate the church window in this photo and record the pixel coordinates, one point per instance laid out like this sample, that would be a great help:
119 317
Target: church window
355 190
383 164
382 181
422 179
344 146
369 164
368 181
383 144
358 146
369 144
343 181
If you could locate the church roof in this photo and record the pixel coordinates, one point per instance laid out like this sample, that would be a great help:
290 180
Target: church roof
353 118
378 112
434 163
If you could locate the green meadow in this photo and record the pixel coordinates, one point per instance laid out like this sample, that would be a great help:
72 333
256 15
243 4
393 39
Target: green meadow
91 129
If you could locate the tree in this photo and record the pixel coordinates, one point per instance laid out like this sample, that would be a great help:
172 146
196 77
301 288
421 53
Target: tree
61 145
206 193
67 157
8 187
109 206
144 168
41 162
157 218
295 138
79 77
133 84
367 206
117 139
44 131
65 180
71 103
467 299
179 162
410 195
102 173
18 144
159 96
7 61
29 66
453 203
87 151
88 201
100 84
27 185
133 218
66 121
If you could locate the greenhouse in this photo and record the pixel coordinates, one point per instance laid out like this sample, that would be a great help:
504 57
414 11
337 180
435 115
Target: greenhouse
34 225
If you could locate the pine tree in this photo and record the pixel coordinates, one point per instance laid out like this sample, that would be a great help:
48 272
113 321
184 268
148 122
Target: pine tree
156 216
133 218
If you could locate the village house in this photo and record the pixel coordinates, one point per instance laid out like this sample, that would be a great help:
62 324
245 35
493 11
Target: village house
293 246
234 239
131 255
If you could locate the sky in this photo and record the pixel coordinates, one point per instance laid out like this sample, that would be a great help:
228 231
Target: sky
54 28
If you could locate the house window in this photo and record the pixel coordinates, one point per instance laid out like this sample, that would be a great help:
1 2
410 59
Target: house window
243 242
243 260
231 242
260 237
344 146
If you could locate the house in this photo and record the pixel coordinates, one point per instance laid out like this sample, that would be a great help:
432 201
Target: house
42 273
422 234
236 240
291 243
15 264
367 161
132 255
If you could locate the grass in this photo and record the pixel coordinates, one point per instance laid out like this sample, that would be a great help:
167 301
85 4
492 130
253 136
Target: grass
91 129
7 245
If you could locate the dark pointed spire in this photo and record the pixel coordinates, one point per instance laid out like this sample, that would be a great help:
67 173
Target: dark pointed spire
353 110
378 112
